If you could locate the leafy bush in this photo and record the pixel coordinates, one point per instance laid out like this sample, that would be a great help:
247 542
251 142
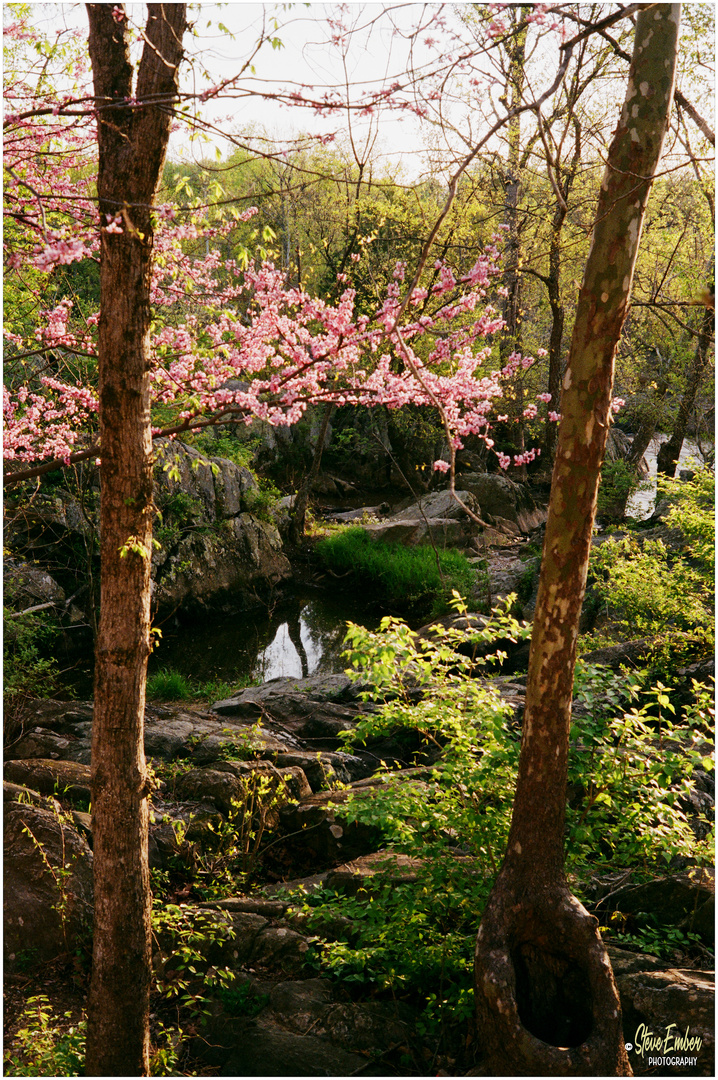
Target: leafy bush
402 576
26 671
630 765
45 1045
647 588
618 483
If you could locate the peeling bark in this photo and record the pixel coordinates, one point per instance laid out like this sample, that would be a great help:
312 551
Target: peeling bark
132 140
547 1003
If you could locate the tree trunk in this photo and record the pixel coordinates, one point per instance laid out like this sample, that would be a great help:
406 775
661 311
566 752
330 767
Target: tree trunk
546 1000
301 501
511 306
132 141
670 451
553 286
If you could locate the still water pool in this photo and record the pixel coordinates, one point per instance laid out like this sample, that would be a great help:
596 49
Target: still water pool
298 637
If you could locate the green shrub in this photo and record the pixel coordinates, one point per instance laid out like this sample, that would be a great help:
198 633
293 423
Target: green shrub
26 671
406 577
645 587
168 685
618 483
630 764
45 1045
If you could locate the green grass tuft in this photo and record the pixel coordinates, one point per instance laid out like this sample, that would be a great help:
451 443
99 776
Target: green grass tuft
403 577
168 684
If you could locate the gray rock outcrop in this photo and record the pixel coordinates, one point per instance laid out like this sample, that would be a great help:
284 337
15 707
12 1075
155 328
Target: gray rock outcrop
47 883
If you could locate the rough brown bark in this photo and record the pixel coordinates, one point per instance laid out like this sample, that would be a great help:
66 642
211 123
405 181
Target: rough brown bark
132 140
511 306
547 1003
299 510
670 451
553 287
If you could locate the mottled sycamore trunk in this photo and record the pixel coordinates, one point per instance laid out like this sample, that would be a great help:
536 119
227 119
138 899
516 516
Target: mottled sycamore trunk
132 140
546 999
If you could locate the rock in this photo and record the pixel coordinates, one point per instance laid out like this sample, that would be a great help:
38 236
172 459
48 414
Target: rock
20 793
367 1026
501 498
441 505
300 1004
517 651
318 832
234 784
370 514
315 710
65 778
442 532
40 743
625 654
268 909
47 893
625 962
323 769
222 570
280 949
436 518
320 688
268 1050
214 554
26 585
356 876
669 1004
684 900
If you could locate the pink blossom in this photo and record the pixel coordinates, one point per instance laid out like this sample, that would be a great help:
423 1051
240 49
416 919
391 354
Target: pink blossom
441 466
554 417
617 404
543 397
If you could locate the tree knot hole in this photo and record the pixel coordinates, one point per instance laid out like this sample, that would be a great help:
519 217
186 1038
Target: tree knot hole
553 996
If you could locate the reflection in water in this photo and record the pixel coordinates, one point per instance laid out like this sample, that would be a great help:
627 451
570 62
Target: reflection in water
302 636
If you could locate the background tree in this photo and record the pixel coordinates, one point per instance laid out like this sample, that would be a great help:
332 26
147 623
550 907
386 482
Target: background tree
547 1003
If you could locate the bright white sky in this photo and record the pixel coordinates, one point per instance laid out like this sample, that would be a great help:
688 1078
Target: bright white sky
305 59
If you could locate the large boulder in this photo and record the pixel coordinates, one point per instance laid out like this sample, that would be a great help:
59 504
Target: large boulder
684 900
222 569
65 779
440 504
502 499
216 549
214 553
47 884
661 1005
